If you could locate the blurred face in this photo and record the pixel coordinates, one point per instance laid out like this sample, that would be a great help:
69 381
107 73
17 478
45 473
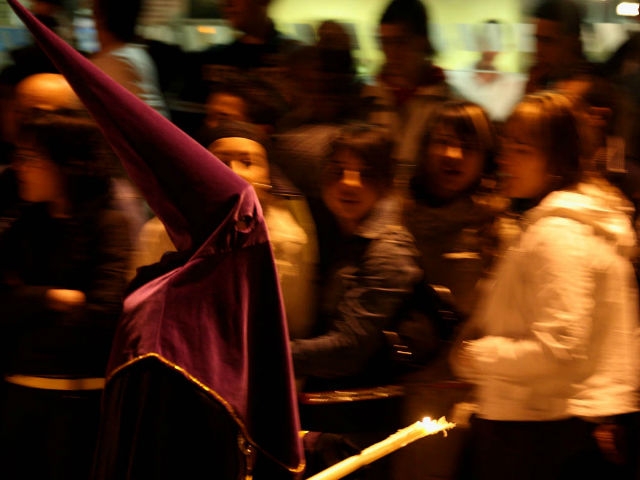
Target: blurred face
244 14
41 91
245 157
39 179
523 166
224 106
452 165
350 190
403 51
553 47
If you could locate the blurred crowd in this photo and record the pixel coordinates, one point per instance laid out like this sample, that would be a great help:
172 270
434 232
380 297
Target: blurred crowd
439 252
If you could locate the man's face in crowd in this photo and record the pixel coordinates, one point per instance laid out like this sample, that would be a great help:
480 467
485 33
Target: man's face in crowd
554 48
403 50
243 14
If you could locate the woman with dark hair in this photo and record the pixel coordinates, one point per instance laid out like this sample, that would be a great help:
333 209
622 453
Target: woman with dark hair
449 214
63 267
552 349
369 267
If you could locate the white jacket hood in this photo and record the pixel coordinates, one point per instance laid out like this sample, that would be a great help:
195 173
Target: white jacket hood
602 208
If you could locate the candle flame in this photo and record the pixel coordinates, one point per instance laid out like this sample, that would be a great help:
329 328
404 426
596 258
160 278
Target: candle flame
434 426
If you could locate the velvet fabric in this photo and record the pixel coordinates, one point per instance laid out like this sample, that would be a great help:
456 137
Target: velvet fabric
218 318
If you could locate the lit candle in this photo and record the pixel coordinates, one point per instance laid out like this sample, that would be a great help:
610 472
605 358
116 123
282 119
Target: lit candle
390 444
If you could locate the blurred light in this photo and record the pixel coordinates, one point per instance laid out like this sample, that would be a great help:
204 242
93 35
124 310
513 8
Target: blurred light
206 29
628 9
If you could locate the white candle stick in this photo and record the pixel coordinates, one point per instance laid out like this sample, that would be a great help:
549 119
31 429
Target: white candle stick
390 444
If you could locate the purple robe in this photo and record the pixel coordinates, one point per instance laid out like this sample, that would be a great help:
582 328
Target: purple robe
217 319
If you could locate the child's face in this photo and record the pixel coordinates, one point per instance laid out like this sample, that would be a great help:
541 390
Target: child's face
453 165
350 189
245 157
523 166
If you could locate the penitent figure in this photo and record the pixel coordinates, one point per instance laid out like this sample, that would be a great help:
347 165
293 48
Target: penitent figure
200 375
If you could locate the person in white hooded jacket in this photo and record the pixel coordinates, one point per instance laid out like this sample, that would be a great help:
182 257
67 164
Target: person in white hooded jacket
553 347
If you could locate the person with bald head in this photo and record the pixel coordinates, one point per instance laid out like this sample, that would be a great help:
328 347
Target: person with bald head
37 92
62 272
48 91
42 92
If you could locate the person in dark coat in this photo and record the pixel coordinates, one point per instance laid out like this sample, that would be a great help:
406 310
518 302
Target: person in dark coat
63 266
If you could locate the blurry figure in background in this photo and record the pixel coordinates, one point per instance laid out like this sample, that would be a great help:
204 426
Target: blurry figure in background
23 62
50 92
497 92
246 100
489 43
258 54
327 96
622 68
326 88
54 15
331 35
365 284
122 54
42 92
30 59
408 88
598 103
452 221
124 58
559 53
63 267
226 103
553 347
606 179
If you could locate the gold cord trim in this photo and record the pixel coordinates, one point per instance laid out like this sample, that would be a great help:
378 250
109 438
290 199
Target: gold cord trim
301 466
